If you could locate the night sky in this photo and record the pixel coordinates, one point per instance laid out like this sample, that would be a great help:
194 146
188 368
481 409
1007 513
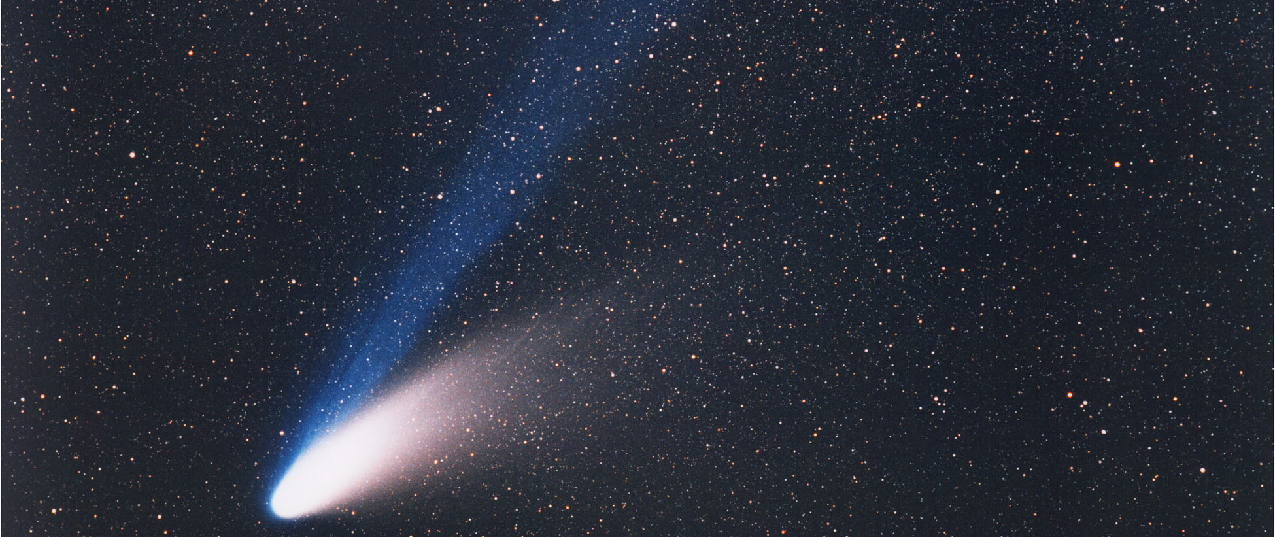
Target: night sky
863 268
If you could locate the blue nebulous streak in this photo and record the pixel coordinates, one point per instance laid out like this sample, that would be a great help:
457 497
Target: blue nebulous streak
569 83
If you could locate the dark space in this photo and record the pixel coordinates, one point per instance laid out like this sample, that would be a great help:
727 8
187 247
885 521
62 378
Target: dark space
798 268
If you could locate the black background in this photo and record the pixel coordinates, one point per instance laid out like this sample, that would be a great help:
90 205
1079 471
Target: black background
859 267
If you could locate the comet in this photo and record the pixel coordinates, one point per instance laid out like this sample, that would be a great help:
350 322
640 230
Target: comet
560 91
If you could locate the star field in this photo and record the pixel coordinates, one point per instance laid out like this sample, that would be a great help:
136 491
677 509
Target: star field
800 269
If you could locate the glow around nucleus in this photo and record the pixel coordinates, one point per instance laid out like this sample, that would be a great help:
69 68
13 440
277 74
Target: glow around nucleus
340 464
386 444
